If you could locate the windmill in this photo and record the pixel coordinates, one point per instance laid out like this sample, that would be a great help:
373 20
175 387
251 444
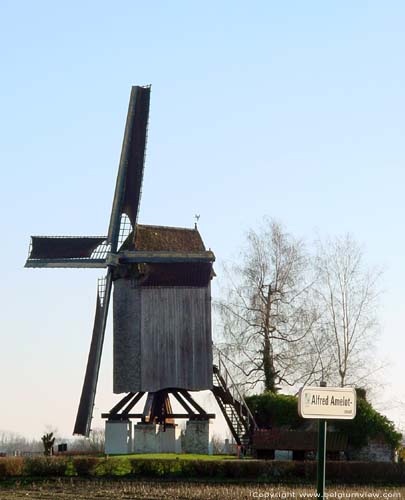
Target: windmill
162 302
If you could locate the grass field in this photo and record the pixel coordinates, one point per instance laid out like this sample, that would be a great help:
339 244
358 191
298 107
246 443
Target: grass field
182 456
142 490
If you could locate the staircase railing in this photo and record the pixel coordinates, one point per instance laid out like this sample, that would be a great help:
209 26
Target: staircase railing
233 388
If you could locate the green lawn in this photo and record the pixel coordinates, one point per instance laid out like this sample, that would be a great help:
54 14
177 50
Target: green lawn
179 456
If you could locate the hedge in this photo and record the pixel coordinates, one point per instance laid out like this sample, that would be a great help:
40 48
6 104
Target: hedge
11 467
244 470
278 410
368 424
275 410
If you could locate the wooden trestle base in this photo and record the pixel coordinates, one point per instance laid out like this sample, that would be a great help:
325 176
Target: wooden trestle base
158 408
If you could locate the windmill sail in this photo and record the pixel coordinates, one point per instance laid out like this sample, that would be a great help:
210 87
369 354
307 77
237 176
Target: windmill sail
86 405
68 251
130 174
126 202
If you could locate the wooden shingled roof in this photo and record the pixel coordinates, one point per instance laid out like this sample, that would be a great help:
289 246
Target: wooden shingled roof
171 239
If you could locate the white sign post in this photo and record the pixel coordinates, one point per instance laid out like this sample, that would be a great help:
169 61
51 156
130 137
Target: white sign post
322 403
327 402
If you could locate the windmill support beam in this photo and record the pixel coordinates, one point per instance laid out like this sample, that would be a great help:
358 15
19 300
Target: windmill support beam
120 405
192 416
134 257
157 408
67 263
157 432
126 257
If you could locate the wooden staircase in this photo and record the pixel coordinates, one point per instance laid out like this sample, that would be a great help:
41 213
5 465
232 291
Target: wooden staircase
232 404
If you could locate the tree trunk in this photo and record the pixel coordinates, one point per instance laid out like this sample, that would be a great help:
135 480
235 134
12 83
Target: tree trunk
268 367
268 362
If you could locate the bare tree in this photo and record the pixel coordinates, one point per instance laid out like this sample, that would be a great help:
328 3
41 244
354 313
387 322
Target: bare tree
267 310
97 439
218 444
347 296
94 443
48 441
11 442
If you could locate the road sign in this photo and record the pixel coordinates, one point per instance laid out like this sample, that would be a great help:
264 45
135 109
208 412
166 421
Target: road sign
327 402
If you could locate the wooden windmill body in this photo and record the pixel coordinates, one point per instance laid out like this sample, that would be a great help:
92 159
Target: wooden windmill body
162 304
162 317
161 276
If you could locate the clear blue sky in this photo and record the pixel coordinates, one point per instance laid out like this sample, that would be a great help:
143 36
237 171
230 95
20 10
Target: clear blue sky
289 109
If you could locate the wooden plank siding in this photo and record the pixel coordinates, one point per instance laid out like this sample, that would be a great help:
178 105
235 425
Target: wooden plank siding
162 338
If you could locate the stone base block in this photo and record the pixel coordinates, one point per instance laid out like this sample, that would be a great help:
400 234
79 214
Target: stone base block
118 437
196 438
151 438
145 438
169 439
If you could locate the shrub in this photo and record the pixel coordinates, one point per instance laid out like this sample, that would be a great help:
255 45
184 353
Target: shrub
271 471
203 468
157 468
85 466
11 466
365 472
45 466
113 467
281 410
368 424
275 410
75 453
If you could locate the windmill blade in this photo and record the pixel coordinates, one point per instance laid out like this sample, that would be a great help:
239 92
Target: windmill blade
86 405
130 173
67 251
